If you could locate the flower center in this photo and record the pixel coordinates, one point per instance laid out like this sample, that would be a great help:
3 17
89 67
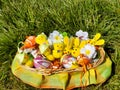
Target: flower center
87 52
57 37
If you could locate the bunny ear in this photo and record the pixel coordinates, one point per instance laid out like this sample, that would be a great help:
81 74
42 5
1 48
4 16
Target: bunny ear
66 40
96 37
100 42
71 42
82 44
76 42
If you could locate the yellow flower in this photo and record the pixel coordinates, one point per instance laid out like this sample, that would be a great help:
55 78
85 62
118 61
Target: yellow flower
42 38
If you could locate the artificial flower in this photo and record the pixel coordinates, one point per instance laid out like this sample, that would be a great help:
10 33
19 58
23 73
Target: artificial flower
41 38
55 37
89 51
82 35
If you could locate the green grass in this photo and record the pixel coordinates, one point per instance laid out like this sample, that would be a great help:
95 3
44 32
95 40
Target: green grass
19 18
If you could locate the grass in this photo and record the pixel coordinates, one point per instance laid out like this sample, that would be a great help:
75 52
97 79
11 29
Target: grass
19 18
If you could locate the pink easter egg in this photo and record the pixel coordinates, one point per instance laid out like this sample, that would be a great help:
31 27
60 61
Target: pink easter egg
67 61
40 62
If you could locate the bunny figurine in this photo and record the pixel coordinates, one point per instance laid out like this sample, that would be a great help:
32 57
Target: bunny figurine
58 50
68 42
77 45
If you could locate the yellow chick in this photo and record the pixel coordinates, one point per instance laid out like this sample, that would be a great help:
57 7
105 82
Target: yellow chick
48 55
44 46
58 50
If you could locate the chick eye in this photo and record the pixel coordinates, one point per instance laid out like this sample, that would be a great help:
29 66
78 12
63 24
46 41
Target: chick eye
58 51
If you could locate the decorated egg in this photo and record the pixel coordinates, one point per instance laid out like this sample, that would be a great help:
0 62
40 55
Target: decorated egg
40 62
69 62
29 42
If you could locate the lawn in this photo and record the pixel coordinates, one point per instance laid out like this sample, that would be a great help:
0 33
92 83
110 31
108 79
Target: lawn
19 18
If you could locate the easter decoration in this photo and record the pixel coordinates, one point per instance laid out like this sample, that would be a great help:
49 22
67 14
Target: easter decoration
62 61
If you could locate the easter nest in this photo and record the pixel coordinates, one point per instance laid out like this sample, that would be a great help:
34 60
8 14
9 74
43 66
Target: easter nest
54 71
62 61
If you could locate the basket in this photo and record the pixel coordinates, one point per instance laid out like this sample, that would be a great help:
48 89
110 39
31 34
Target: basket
63 78
82 75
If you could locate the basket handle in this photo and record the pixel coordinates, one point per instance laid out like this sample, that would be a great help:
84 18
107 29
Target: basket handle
18 47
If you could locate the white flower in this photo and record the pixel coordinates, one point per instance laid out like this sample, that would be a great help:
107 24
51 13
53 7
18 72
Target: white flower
82 35
55 37
89 50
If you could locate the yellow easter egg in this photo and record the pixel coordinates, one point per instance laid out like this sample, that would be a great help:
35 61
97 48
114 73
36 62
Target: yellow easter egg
29 63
